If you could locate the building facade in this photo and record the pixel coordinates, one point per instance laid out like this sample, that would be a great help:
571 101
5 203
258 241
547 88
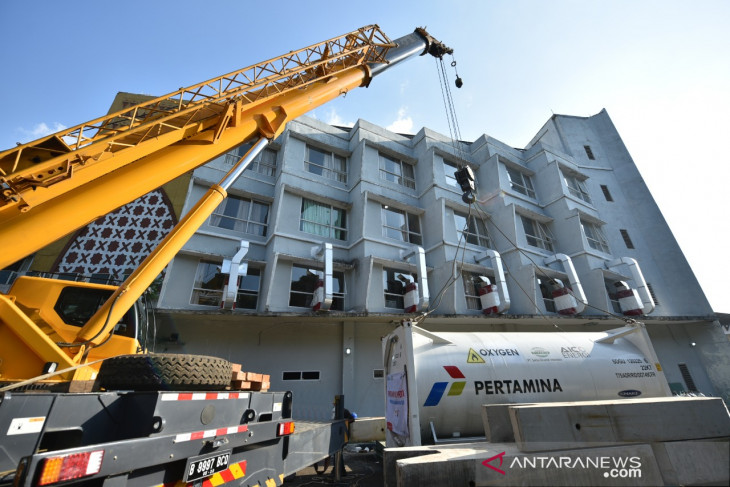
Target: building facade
569 211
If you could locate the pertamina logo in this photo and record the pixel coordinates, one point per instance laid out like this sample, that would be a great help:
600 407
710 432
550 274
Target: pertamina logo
438 389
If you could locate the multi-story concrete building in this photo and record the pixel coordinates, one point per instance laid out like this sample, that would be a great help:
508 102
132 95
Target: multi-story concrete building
570 209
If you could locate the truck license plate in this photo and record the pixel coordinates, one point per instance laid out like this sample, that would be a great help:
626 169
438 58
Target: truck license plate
206 465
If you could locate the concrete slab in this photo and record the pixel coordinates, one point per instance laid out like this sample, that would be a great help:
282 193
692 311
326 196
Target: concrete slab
626 465
694 462
557 426
503 464
497 423
391 456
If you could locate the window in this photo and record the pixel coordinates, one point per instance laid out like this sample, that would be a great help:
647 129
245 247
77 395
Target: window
242 215
264 163
613 297
248 289
449 169
208 285
378 373
394 288
304 281
471 282
652 294
476 231
537 234
397 171
606 192
327 164
595 237
209 282
520 182
300 375
546 289
76 305
401 225
577 187
684 370
627 239
323 220
589 152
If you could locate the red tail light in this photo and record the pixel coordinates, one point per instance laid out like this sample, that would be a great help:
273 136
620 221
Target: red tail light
69 467
285 429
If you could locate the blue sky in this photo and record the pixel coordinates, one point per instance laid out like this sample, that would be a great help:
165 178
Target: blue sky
660 68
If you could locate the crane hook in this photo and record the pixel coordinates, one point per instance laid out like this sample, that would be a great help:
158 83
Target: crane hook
459 83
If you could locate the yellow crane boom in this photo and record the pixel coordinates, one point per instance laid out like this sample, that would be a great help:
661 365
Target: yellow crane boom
59 183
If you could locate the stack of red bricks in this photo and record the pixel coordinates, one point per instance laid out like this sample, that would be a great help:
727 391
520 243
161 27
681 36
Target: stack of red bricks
249 381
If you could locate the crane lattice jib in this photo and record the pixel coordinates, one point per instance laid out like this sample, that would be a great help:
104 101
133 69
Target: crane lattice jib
187 111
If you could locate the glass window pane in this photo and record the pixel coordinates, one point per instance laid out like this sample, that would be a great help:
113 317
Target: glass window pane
408 171
246 301
389 165
459 222
414 224
316 156
449 170
394 219
250 281
527 226
259 213
340 217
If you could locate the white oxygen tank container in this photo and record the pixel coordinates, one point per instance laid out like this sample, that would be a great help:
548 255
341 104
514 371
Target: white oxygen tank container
456 373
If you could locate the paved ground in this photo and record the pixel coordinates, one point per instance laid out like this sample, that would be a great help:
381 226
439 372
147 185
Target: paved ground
361 470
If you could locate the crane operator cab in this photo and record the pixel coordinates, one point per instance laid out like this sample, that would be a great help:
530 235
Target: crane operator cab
60 309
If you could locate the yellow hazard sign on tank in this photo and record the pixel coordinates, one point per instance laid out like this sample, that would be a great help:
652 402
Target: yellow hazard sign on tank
474 357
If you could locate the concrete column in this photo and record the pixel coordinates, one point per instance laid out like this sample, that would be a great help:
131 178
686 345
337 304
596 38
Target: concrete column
348 362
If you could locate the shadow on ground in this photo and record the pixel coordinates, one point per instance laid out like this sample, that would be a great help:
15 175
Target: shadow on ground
363 469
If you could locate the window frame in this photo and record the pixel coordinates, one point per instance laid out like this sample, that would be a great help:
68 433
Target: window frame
217 217
400 178
627 238
546 292
606 193
414 237
264 163
613 299
589 152
288 375
327 168
217 293
595 237
338 279
449 174
544 236
473 223
390 295
333 230
473 301
524 186
577 187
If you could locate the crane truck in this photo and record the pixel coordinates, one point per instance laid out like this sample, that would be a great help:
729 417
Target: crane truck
151 419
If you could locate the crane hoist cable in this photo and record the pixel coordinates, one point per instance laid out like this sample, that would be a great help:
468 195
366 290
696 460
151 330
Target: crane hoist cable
457 145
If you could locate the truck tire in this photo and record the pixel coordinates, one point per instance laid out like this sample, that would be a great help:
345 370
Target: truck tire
164 372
